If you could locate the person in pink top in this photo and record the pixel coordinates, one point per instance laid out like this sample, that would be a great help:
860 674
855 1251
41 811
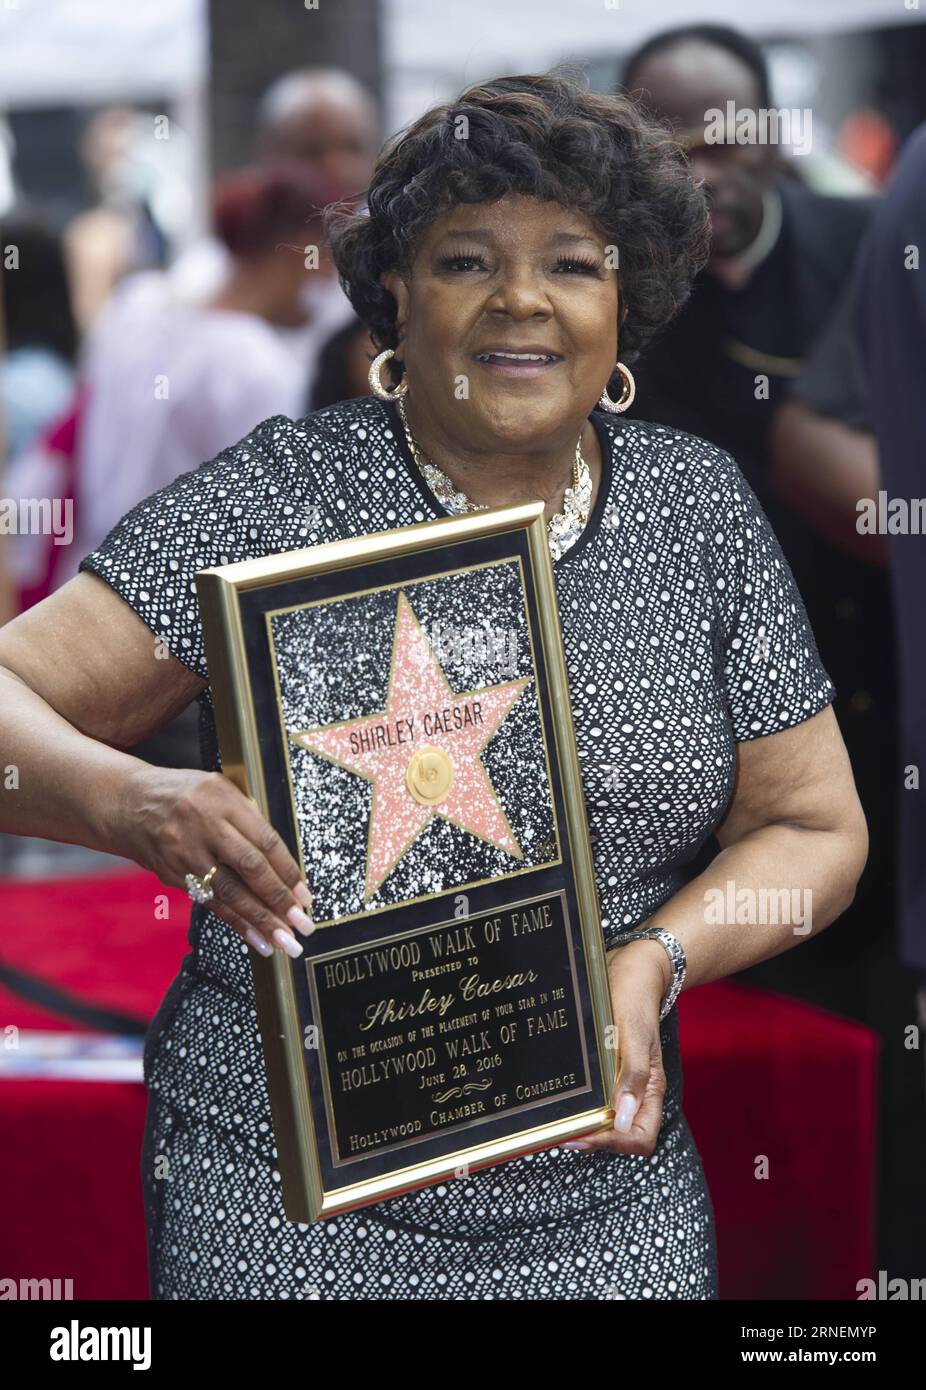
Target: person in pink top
170 382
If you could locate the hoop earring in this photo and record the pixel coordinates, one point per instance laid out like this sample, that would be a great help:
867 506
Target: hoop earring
376 385
627 395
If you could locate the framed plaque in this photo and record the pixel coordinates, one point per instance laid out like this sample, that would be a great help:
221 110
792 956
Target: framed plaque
397 705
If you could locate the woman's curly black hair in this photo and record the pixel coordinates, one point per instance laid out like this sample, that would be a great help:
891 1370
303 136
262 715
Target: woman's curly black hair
549 137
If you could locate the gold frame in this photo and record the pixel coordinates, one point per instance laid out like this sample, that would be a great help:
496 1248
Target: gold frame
304 1196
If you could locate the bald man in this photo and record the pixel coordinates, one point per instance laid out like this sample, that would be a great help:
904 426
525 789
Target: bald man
326 118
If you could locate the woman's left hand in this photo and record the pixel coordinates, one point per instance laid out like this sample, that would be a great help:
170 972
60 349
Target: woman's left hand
638 981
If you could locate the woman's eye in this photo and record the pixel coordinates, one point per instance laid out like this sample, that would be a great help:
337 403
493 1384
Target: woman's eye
576 265
462 263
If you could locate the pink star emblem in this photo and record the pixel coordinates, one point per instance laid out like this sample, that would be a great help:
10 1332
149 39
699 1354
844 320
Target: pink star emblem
422 753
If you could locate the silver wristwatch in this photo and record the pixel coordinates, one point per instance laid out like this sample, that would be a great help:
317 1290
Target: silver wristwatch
676 956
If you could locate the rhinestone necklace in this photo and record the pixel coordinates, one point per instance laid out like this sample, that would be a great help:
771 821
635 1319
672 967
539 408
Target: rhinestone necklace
563 530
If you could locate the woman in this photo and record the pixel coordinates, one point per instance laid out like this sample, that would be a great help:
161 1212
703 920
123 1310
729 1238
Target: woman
487 272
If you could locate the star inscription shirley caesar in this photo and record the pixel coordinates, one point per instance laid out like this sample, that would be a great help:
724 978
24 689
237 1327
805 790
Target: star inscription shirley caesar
421 753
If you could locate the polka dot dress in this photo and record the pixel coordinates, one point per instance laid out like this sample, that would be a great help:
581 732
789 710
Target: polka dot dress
684 634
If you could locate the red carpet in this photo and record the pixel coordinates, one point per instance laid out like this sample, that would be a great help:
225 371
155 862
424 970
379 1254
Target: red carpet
768 1076
71 1203
765 1079
106 939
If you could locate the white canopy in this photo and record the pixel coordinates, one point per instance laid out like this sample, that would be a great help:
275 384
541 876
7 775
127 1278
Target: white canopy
77 52
434 48
62 52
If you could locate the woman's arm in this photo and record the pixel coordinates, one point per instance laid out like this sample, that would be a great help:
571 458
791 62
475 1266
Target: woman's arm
793 842
793 845
82 678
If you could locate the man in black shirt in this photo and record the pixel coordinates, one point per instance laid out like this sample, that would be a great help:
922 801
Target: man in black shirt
750 342
892 317
781 259
749 364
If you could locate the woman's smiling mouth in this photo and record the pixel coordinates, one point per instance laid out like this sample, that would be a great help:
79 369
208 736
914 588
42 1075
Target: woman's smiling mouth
527 363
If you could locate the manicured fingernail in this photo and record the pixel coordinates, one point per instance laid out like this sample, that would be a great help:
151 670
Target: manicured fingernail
287 942
260 943
575 1144
625 1112
297 918
302 895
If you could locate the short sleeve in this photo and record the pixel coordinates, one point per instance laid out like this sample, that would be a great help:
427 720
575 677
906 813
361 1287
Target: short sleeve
772 673
211 516
832 379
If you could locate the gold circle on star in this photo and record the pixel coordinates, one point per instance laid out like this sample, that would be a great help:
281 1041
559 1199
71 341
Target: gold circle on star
429 775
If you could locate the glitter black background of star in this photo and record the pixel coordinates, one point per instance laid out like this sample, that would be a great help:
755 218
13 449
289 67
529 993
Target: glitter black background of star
333 665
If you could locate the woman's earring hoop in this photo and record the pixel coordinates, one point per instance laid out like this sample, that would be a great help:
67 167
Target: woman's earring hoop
627 395
376 385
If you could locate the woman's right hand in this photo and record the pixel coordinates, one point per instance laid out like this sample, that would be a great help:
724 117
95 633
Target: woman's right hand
177 822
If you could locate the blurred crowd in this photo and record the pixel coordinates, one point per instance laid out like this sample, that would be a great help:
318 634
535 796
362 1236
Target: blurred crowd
125 366
122 371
